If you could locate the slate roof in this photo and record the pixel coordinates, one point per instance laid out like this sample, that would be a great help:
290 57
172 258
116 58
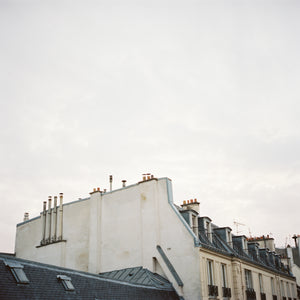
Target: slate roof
44 284
220 246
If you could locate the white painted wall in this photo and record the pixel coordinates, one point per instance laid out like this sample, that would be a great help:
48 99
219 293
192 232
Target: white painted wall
122 228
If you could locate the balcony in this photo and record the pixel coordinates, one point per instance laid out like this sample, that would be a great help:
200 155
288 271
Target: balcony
250 294
263 296
213 291
226 292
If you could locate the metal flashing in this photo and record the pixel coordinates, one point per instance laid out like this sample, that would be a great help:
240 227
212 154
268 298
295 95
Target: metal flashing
169 265
170 200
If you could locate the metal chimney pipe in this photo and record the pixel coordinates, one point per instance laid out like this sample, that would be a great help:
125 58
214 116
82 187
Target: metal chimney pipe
44 222
123 183
60 237
110 182
49 218
55 218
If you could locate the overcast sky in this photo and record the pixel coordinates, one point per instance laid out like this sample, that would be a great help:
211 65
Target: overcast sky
203 92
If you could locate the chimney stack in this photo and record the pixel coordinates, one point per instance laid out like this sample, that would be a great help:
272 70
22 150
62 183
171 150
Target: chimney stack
55 218
49 219
60 237
44 222
191 204
110 181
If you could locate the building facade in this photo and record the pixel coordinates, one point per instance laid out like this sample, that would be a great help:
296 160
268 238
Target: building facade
139 225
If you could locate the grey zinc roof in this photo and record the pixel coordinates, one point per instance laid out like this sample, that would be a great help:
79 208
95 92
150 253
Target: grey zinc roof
44 284
139 275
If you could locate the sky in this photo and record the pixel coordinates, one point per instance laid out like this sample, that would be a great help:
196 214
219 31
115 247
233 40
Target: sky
203 92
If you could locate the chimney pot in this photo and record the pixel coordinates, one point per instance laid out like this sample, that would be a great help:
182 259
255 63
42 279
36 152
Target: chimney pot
148 177
94 189
104 190
152 176
98 189
123 183
26 217
184 202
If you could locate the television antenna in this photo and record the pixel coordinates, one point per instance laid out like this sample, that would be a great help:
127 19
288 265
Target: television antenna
237 224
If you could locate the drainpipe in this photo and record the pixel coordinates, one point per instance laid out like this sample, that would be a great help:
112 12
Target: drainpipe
61 216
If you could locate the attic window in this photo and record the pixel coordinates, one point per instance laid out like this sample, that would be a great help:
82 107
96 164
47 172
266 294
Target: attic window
66 282
17 271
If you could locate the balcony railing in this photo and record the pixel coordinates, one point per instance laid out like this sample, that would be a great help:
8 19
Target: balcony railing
213 290
263 296
251 294
226 292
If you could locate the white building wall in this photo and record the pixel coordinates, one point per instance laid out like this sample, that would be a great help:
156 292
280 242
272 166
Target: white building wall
122 229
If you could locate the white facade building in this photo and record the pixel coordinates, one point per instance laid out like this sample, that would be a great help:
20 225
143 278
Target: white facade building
139 225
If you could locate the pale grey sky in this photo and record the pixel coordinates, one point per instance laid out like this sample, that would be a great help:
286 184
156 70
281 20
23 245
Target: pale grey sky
203 92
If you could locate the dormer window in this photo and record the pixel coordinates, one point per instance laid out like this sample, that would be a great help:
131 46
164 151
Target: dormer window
17 271
66 282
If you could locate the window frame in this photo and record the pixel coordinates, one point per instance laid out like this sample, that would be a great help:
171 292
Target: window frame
248 279
17 270
210 272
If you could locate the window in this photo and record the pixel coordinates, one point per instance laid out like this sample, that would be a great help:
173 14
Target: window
261 283
248 278
210 275
288 290
66 282
212 289
282 289
273 286
17 271
224 275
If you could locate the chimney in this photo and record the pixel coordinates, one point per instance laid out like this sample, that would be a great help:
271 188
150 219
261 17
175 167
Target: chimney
124 183
110 182
144 177
191 204
60 237
49 219
44 223
26 217
55 219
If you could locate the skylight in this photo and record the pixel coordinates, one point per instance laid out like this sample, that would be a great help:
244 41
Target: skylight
66 281
17 271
